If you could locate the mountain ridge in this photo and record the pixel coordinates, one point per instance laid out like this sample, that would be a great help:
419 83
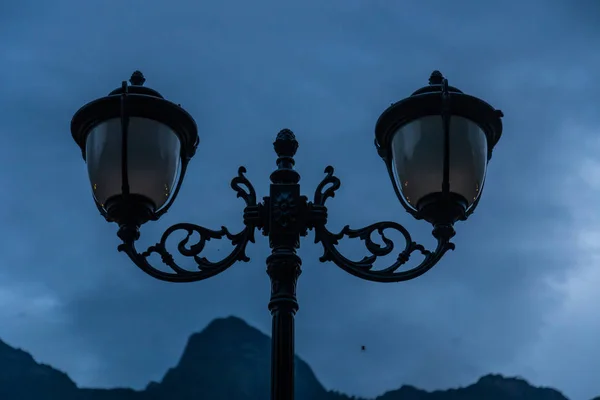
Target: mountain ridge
230 360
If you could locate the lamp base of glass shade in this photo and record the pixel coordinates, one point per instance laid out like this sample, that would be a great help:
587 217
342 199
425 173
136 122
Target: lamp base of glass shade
442 208
133 209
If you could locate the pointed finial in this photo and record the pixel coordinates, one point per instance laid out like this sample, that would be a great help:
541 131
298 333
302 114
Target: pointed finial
137 78
436 78
286 143
286 134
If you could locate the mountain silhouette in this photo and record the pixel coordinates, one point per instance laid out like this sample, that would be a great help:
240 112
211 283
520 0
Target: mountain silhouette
229 360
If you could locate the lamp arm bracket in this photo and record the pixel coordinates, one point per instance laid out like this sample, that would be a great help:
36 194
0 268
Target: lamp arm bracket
364 267
205 269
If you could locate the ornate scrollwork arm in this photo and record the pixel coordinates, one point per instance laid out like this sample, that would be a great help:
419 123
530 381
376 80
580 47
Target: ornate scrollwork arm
248 194
364 268
206 268
322 194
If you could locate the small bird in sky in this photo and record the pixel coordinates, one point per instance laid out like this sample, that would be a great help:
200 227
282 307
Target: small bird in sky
363 348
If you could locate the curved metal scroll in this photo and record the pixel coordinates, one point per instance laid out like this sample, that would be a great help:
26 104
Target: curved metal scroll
206 268
364 268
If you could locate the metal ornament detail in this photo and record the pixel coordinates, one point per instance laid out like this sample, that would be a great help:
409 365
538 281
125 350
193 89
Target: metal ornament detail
285 209
206 268
137 78
364 267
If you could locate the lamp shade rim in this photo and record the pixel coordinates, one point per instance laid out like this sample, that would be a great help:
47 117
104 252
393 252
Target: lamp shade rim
138 105
137 89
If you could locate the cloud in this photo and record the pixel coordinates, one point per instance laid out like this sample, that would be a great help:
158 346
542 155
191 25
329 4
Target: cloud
497 304
563 355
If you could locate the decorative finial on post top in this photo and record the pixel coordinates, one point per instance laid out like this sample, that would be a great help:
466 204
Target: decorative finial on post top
436 78
137 78
285 144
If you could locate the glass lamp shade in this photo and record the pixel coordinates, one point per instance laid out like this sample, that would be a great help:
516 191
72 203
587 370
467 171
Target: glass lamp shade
153 160
418 158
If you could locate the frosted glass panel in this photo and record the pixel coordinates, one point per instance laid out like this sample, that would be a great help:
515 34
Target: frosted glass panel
418 151
153 159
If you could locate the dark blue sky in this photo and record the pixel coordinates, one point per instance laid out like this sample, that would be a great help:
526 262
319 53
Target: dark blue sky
518 296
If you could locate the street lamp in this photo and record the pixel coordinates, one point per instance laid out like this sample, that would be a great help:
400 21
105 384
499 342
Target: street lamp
436 145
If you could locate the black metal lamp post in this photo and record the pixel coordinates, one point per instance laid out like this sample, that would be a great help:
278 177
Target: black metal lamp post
436 145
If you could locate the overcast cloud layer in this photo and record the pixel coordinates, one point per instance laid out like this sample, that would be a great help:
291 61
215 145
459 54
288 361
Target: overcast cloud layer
518 296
